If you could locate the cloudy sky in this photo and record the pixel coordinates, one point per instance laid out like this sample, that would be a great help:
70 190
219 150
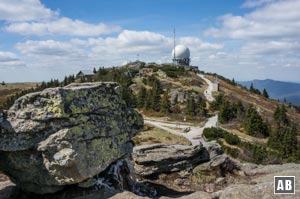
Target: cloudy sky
244 39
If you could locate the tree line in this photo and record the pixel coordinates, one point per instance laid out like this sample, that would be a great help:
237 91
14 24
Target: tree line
154 98
252 122
283 144
284 137
246 151
39 87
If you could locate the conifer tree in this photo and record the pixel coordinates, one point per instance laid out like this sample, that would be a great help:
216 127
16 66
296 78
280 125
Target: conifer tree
190 105
165 104
215 105
280 116
284 137
201 107
233 81
141 97
147 104
254 90
240 110
155 97
251 87
265 93
227 112
254 124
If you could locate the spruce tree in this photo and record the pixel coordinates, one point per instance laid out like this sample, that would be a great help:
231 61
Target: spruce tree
254 124
141 97
240 110
201 107
190 105
265 93
251 87
289 141
254 90
65 82
226 113
147 104
155 97
284 137
215 105
165 104
280 115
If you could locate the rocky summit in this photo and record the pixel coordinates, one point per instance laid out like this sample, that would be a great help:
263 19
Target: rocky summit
63 136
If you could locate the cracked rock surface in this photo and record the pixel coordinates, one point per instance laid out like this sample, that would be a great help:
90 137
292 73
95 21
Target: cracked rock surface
63 136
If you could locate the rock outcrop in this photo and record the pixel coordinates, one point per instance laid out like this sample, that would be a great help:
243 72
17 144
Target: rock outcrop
159 158
261 182
218 161
258 184
63 136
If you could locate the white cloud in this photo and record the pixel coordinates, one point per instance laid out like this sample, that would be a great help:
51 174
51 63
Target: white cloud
131 38
256 3
61 26
146 43
49 48
67 57
275 20
9 59
198 44
7 56
271 48
24 10
31 17
263 43
143 42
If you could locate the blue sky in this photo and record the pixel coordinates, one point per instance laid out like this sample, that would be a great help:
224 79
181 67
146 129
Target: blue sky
244 39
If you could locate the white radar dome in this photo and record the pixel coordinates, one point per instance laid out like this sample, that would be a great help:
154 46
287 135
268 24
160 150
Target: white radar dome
181 52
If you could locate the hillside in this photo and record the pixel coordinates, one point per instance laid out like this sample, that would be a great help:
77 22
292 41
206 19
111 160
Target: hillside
177 94
267 106
193 139
10 89
277 89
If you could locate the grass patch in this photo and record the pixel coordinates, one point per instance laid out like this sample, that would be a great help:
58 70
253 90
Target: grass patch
10 89
203 177
152 135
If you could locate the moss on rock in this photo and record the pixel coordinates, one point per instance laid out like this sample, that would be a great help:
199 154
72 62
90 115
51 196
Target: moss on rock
63 136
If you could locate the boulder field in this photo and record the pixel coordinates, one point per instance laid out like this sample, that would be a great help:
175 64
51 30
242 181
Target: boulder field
65 136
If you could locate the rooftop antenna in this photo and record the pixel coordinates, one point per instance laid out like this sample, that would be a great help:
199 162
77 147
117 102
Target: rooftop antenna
174 46
137 57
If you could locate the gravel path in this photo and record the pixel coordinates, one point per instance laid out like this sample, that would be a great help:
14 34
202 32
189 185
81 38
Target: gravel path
195 133
208 91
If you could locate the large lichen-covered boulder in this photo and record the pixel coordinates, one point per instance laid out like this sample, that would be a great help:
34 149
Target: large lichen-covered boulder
63 136
160 158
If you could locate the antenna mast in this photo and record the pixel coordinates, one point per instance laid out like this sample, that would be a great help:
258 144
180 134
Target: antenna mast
174 45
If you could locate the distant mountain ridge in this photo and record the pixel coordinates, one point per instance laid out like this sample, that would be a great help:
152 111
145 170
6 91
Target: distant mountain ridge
277 89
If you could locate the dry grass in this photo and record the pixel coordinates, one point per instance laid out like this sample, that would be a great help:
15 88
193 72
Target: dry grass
152 135
249 138
12 88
